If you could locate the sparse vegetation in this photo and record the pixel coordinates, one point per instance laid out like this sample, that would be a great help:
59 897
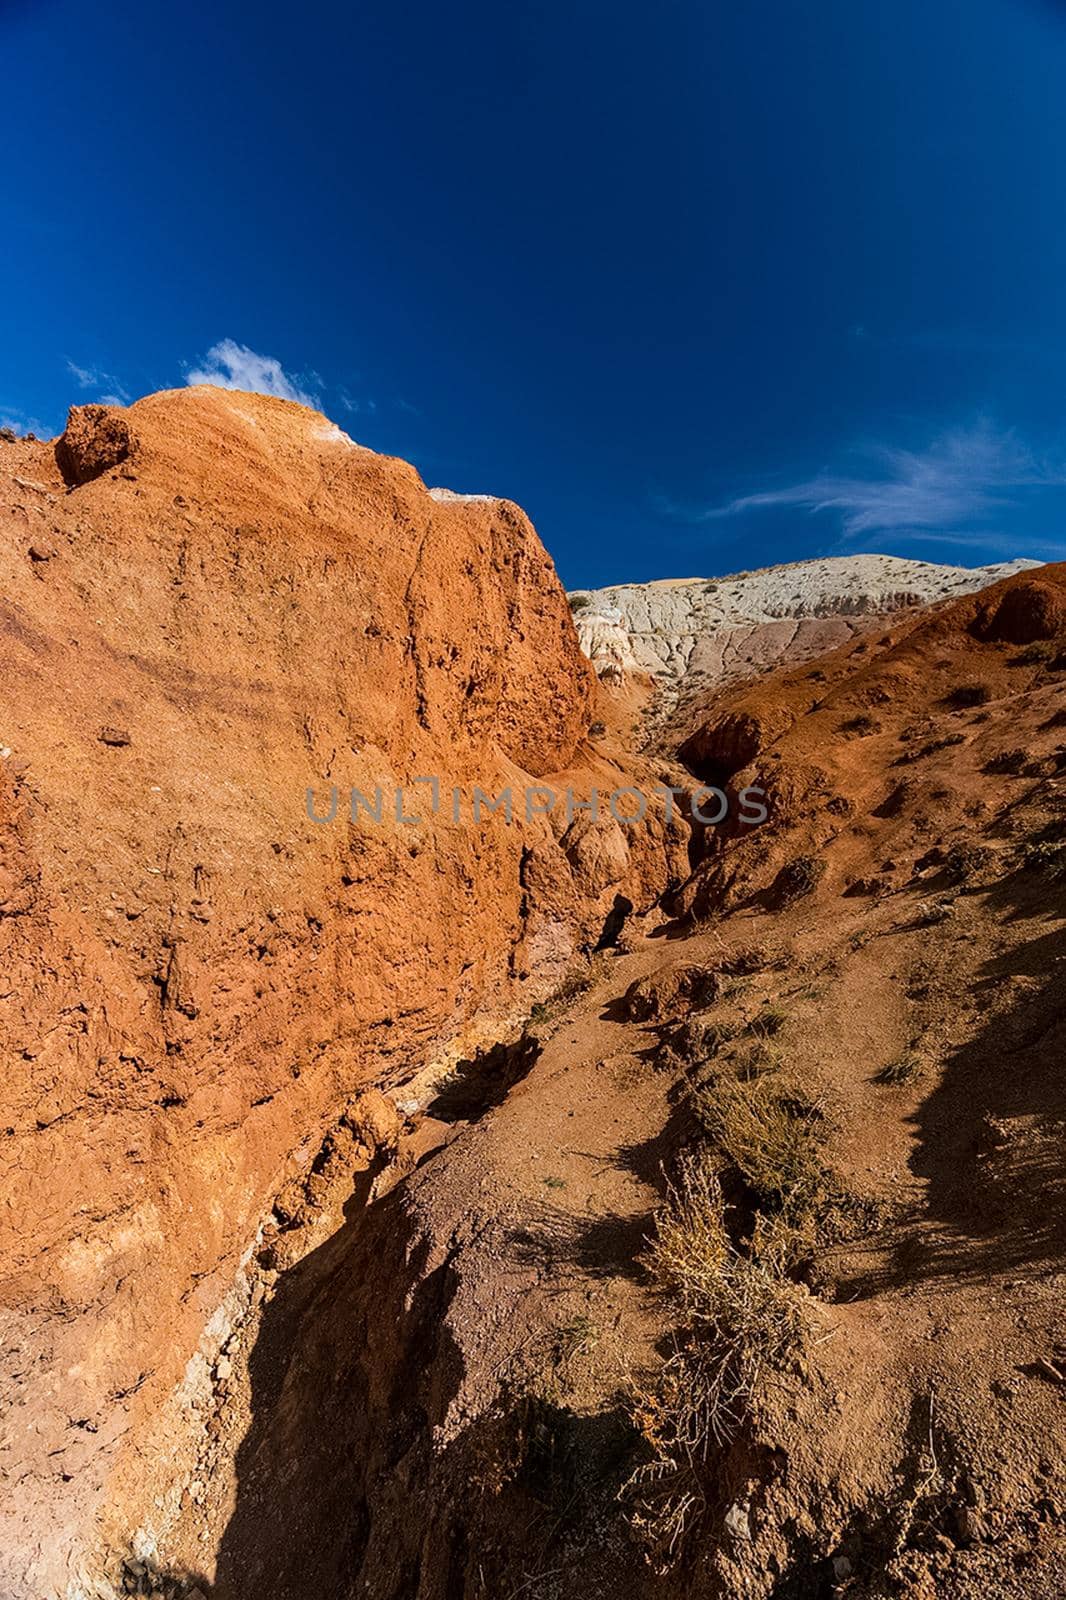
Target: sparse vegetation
740 1317
933 748
771 1137
696 1039
576 983
862 725
969 694
755 1059
904 1069
749 958
965 861
578 602
769 1021
1034 655
728 1271
796 880
1046 857
1009 763
575 1337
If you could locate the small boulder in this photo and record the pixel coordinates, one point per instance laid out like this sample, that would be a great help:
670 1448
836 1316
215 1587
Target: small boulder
376 1120
663 994
96 439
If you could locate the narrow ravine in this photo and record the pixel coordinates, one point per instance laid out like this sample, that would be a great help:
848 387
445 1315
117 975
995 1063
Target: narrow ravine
510 1213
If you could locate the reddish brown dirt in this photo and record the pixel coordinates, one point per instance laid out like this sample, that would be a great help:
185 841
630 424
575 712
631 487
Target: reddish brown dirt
212 601
424 1389
433 1401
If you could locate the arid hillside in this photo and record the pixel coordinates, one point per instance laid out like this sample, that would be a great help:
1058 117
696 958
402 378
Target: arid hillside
538 1209
741 1270
213 602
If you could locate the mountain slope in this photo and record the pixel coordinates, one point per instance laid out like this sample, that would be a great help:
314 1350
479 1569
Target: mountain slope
488 1383
694 634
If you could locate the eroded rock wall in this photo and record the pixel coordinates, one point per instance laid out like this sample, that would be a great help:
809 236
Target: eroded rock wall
212 601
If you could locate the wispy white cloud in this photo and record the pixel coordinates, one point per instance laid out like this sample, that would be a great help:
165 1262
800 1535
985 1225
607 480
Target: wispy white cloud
22 424
229 365
961 477
351 403
96 378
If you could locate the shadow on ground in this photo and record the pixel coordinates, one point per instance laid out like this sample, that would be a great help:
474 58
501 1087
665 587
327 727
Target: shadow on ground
990 1146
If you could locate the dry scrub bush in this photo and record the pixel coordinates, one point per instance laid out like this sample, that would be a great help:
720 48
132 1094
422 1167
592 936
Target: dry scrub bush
740 1319
1047 858
772 1138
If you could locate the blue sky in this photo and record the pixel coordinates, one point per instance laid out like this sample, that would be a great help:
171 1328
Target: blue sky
703 286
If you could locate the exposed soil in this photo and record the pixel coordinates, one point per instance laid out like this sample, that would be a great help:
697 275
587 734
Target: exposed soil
439 1397
390 1325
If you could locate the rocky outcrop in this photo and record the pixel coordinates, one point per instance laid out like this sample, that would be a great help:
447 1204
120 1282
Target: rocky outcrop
696 634
213 604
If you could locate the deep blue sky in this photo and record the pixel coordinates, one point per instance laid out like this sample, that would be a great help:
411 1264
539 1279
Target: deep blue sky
672 276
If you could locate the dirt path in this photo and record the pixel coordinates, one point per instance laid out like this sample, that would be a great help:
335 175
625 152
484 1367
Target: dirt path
463 1344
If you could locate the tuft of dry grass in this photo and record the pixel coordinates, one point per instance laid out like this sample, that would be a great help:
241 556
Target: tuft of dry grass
771 1137
969 694
768 1021
756 1060
1047 858
740 1318
905 1069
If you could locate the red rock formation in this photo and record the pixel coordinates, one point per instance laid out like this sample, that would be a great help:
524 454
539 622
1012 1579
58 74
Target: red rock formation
211 602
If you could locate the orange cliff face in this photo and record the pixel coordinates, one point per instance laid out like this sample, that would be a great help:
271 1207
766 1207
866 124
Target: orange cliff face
212 601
